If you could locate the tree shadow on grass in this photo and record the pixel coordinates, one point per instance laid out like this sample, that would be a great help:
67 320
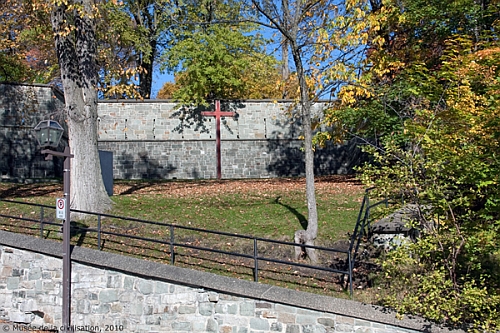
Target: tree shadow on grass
79 230
31 190
302 219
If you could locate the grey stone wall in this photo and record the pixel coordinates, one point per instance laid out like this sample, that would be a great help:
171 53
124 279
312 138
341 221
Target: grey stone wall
161 120
154 139
192 159
116 293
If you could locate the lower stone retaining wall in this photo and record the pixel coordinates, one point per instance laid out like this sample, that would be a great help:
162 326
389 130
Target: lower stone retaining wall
116 293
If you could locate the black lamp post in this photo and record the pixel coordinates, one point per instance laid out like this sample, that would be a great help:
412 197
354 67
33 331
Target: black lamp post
48 134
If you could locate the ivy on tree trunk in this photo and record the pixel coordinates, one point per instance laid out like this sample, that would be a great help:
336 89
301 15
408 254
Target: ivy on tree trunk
74 32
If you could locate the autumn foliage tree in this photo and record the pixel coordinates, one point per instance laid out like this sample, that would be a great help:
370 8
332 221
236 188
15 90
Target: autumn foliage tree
117 40
260 80
427 104
26 44
217 55
315 34
444 160
212 63
29 32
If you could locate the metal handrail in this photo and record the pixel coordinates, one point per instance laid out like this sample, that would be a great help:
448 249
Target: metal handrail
362 224
172 243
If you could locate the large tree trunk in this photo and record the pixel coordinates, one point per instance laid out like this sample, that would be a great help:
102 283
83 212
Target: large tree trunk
146 80
288 23
74 32
308 236
146 73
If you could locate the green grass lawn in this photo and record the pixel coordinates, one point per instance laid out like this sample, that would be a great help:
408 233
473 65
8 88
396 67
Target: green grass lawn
271 208
250 213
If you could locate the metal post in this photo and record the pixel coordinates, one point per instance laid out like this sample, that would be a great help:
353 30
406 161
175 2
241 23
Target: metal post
256 261
99 246
172 249
349 261
48 134
66 310
41 222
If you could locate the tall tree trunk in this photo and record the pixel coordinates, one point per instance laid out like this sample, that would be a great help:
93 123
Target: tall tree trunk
74 31
285 68
285 43
146 79
308 236
146 72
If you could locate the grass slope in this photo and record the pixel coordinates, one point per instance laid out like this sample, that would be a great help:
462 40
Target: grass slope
267 208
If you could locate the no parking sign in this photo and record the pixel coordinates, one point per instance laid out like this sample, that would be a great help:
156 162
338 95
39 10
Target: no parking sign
61 208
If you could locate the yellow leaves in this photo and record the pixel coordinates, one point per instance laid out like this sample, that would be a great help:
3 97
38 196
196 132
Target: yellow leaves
359 13
487 53
323 35
347 97
60 2
350 94
130 90
383 64
379 41
64 31
349 4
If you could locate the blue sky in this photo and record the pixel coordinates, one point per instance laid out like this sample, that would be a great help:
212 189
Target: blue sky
159 80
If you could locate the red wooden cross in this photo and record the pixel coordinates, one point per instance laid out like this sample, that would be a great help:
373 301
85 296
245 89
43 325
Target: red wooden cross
218 114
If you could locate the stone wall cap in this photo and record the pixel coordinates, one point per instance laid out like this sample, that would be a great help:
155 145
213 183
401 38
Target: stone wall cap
209 281
277 101
57 91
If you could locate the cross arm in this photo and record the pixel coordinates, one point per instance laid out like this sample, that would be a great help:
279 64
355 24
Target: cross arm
57 153
220 113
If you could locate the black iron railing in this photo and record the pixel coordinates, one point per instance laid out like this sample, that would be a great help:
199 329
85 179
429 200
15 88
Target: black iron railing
363 224
173 242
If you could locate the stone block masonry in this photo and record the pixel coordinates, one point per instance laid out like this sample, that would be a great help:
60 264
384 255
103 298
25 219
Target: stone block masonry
159 120
116 293
196 159
151 140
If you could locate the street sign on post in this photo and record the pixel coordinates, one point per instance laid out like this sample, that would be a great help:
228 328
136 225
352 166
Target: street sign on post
61 208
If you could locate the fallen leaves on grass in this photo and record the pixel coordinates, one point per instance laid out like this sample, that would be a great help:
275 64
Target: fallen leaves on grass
182 188
326 184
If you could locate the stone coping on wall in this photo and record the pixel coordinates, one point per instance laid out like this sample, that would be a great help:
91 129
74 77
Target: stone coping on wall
278 101
222 284
55 89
